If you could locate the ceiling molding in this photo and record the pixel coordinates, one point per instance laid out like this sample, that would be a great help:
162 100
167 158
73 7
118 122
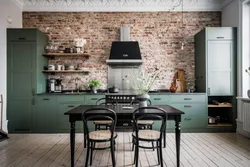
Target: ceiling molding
120 5
19 3
225 3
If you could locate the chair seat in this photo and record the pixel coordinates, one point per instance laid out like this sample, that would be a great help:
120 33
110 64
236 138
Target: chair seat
148 134
145 122
103 122
101 135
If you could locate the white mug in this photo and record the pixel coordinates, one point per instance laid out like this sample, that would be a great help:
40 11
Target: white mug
59 67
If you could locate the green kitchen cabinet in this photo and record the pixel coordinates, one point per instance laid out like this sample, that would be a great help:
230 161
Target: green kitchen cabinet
215 70
159 99
24 77
45 114
215 61
91 99
195 109
66 103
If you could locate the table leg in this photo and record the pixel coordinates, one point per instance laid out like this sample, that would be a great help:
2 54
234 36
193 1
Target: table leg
72 142
178 139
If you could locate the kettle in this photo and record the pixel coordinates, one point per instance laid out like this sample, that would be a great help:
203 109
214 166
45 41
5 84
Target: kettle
113 90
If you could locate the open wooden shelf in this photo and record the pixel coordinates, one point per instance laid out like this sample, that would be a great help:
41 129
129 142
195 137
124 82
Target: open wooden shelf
220 105
52 55
65 71
220 124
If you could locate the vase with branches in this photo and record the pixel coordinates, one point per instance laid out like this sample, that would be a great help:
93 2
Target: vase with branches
142 81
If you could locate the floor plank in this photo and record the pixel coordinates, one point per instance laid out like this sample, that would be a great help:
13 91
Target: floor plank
197 149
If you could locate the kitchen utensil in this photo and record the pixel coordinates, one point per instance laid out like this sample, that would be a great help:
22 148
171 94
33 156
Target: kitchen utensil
113 90
211 120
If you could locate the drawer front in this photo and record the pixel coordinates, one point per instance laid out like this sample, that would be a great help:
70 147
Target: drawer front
91 99
188 98
22 35
159 99
195 115
71 98
220 33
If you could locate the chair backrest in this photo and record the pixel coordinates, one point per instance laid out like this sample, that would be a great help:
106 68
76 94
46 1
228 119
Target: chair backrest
136 101
150 113
106 101
99 114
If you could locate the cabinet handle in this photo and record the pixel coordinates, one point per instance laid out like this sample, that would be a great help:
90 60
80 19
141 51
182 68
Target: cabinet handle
71 106
45 99
21 38
187 98
157 98
187 106
220 37
33 101
93 98
33 92
187 119
208 91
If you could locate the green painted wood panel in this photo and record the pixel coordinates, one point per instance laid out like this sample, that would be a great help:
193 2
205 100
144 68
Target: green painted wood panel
44 115
159 99
220 67
91 99
188 98
20 85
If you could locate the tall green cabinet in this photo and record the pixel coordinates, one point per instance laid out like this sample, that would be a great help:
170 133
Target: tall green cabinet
215 72
24 77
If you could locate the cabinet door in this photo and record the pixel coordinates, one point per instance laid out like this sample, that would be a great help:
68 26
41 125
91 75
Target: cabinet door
20 85
44 116
195 115
220 67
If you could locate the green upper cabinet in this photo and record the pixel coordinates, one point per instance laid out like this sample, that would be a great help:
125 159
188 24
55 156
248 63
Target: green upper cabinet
24 77
215 61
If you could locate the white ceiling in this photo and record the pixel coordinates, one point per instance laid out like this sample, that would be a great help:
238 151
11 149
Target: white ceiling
121 5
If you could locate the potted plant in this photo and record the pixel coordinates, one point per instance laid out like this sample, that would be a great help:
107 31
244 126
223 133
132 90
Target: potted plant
93 84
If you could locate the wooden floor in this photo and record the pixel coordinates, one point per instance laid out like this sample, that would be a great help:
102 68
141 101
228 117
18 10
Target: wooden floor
197 149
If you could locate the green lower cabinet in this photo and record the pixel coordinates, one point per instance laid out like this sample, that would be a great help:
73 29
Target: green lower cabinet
44 114
91 99
159 99
195 116
63 124
19 115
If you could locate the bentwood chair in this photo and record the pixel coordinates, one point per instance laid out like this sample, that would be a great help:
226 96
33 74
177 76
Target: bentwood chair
104 124
143 136
99 136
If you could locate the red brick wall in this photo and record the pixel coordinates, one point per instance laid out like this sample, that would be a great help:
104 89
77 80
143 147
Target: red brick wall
159 34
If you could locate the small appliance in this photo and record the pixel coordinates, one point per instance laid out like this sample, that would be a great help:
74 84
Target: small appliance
51 85
58 85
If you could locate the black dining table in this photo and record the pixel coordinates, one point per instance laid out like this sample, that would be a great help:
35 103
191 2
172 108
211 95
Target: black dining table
123 112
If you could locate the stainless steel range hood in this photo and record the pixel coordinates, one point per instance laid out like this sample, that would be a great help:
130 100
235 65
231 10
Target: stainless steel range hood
125 52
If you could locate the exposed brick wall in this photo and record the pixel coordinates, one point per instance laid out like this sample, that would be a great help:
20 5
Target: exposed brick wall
160 35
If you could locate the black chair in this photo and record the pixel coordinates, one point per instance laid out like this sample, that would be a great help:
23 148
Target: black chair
147 135
104 124
99 136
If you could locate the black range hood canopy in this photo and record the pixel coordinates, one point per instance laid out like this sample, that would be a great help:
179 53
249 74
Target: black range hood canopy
125 53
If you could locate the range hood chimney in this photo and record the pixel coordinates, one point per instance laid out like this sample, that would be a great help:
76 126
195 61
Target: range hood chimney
125 52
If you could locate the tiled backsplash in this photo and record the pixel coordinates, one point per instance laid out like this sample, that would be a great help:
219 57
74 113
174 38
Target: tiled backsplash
160 35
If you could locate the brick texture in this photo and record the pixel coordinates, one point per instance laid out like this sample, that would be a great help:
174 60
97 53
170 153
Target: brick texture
159 34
